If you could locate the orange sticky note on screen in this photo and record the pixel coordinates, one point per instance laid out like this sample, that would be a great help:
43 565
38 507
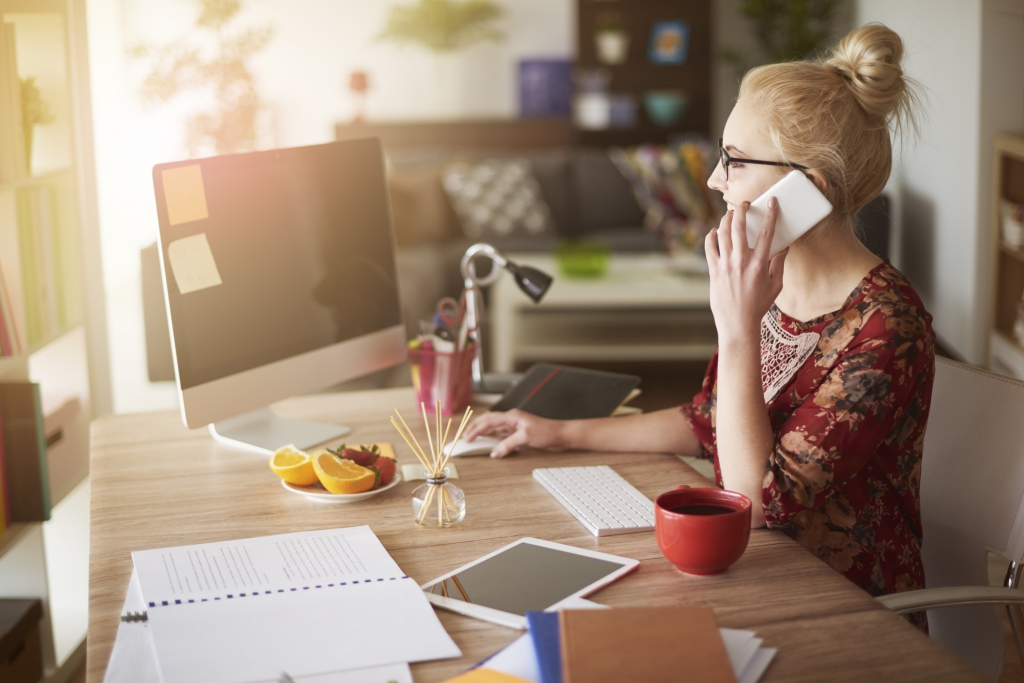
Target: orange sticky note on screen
184 194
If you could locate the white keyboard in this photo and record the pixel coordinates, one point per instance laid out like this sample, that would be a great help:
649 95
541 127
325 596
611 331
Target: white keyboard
597 496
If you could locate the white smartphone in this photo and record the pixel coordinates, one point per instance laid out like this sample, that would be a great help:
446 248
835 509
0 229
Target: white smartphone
801 207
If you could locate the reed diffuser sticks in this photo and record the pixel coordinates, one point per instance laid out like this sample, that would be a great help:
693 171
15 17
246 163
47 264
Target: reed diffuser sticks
448 511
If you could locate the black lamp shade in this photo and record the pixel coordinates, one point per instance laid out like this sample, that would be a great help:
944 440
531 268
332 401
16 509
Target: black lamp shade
532 281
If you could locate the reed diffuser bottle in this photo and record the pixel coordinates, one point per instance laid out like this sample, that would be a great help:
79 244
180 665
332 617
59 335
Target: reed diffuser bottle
436 503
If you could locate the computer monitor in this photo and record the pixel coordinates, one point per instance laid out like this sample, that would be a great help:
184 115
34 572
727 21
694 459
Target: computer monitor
279 279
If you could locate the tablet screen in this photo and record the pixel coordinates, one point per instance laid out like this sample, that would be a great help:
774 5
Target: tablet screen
524 578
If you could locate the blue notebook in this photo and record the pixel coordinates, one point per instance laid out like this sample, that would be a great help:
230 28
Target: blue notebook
547 644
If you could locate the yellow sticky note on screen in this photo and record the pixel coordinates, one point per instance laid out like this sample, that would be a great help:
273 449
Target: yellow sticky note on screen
192 264
184 194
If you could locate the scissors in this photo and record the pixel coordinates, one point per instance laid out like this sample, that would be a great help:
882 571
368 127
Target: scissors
450 312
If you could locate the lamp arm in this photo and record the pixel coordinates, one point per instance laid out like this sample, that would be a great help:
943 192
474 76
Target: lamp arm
474 297
532 281
469 270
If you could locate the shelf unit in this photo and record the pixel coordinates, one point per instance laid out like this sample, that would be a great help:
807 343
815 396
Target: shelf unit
49 256
1006 352
638 74
640 310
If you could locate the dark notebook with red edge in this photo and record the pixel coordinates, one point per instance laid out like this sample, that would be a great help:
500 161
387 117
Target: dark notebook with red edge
562 392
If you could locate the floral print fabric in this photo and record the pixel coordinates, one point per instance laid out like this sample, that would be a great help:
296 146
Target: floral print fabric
843 479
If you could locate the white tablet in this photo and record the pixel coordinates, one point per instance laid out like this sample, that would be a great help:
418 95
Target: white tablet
529 575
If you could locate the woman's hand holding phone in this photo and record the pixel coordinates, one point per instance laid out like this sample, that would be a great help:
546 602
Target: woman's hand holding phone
745 281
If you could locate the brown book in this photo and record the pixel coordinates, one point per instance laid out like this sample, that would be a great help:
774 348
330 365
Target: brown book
28 484
643 645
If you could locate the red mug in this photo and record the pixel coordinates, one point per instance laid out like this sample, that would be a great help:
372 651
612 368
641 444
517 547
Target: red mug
702 541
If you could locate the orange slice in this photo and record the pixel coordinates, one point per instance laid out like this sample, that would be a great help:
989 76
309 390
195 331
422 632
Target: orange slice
293 465
341 476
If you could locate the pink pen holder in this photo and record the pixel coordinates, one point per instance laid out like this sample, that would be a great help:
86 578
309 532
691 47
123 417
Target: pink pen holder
444 377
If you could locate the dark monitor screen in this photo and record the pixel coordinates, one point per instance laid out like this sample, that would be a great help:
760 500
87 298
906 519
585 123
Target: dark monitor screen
273 254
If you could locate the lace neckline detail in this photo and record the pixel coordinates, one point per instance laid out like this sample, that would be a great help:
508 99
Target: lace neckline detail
782 354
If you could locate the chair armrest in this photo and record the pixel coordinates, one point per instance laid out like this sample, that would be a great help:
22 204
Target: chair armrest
932 598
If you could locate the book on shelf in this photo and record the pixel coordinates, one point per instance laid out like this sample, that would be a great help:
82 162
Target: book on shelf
49 263
24 446
5 508
10 341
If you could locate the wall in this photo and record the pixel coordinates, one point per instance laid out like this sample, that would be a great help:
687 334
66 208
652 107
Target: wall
302 76
969 57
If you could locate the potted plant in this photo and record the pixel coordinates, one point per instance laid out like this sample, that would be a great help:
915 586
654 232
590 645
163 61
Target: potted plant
784 30
35 111
611 41
230 122
444 27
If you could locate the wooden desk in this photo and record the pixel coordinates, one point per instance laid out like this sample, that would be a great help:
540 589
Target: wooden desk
156 484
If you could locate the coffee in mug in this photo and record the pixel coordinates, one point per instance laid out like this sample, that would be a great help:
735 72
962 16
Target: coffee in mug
702 530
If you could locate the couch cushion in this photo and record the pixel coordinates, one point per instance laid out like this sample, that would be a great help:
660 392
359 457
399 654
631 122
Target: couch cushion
498 198
603 198
419 206
552 171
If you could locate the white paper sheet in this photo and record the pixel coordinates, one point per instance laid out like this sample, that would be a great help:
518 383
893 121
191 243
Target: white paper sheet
740 646
133 659
758 665
306 603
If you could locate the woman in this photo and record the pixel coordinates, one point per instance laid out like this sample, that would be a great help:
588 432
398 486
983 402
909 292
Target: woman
816 400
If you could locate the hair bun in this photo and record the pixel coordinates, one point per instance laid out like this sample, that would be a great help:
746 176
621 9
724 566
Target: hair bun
868 59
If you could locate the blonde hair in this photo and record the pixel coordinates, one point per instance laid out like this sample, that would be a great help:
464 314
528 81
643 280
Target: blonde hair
834 115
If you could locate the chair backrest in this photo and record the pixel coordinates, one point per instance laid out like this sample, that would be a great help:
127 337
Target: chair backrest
972 484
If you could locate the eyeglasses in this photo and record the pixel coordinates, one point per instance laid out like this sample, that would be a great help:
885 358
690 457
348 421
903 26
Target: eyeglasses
726 160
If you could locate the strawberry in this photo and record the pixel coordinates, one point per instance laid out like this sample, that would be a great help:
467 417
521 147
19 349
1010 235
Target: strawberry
376 477
360 456
386 466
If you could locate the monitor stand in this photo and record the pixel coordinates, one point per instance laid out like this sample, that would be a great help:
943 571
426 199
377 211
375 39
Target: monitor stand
264 432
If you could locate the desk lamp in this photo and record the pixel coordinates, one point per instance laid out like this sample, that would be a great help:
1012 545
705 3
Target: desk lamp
532 281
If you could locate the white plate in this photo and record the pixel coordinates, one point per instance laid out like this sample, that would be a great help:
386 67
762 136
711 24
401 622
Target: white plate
321 495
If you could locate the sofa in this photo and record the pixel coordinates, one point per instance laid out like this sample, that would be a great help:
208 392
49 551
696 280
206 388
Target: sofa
586 194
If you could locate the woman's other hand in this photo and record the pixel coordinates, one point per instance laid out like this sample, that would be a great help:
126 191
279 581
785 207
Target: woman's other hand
517 429
744 281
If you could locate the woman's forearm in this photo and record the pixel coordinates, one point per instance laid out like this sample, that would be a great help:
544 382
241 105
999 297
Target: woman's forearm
744 432
664 431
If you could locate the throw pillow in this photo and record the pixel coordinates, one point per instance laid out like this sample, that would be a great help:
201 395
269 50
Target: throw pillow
498 197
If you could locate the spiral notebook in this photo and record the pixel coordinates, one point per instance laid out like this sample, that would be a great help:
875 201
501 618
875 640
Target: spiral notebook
244 611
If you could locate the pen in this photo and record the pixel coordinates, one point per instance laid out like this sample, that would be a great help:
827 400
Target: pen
285 678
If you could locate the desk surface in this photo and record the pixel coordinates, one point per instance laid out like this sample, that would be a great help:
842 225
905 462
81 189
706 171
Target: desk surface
157 484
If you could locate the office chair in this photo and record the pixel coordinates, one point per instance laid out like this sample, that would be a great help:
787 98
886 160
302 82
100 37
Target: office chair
972 503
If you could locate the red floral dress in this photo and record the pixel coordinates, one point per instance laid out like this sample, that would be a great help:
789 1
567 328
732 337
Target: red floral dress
844 477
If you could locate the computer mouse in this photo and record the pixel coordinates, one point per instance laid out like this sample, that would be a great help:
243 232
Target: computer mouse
481 445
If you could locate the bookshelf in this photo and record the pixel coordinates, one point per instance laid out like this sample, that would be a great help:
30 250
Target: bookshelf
1006 352
637 74
52 321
